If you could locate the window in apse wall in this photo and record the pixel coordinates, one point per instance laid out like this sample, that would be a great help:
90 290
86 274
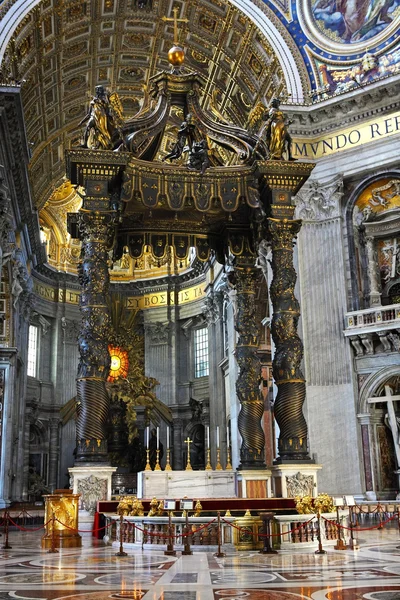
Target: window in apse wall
32 350
201 352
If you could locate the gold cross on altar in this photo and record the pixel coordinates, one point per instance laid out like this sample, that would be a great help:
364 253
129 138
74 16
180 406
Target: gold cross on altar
188 465
175 20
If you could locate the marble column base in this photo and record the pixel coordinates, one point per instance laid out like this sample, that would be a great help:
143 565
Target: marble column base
93 483
254 483
291 480
193 484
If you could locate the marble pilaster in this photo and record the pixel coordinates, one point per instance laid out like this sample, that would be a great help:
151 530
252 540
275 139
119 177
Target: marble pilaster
327 354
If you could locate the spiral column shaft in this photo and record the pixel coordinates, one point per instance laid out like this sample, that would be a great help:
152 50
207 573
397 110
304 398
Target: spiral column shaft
248 383
286 365
92 397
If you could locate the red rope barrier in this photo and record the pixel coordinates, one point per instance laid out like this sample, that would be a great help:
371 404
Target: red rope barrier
360 528
271 534
28 529
82 530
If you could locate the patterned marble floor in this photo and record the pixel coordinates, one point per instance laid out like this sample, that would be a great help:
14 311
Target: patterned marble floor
95 573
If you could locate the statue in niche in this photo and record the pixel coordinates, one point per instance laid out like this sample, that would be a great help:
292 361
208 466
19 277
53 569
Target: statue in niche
197 450
277 136
197 409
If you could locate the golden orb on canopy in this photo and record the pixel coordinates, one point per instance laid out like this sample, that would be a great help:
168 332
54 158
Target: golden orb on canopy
176 56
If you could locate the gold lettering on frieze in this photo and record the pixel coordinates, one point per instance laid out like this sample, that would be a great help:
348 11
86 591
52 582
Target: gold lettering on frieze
345 139
155 300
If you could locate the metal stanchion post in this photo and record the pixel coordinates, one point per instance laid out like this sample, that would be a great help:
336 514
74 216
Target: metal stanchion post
398 523
121 546
380 517
6 545
320 549
170 546
340 545
219 554
266 519
53 549
353 542
186 548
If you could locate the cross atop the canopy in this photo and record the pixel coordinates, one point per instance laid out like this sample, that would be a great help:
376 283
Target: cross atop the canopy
175 20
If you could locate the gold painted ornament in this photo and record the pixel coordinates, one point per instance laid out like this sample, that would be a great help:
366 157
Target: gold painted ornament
176 56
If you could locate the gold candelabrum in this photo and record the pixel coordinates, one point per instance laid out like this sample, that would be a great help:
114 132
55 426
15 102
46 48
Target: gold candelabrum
208 465
147 467
167 464
157 467
228 457
218 466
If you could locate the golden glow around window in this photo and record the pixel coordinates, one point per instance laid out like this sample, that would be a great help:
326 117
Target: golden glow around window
119 363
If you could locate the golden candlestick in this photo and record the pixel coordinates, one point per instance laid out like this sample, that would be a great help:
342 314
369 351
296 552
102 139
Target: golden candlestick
218 466
148 467
228 458
167 464
208 465
157 467
188 465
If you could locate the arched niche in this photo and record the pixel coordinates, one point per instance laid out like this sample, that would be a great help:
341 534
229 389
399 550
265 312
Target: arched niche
373 219
380 432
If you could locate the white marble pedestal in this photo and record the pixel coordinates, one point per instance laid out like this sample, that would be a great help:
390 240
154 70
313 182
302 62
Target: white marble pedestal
93 483
193 484
295 479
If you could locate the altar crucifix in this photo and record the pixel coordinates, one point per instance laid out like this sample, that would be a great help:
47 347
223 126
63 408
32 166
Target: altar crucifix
391 420
188 465
175 21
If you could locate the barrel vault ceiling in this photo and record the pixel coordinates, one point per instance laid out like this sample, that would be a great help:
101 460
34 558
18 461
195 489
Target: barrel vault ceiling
63 49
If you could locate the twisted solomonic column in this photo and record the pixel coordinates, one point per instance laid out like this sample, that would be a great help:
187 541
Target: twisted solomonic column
248 383
286 364
95 230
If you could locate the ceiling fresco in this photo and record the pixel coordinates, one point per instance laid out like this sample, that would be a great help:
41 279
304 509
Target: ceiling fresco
334 37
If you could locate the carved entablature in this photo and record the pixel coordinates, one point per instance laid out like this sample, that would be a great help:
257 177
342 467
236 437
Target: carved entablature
319 201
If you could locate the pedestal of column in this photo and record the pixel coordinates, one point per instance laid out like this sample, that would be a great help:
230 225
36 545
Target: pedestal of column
93 483
255 483
291 480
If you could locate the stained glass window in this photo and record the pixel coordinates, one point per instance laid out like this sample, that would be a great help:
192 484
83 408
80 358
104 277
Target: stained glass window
119 363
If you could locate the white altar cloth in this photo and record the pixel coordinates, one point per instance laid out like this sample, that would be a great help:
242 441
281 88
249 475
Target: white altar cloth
193 484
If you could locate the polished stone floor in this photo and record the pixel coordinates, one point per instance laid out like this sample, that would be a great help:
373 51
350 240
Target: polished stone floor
95 573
